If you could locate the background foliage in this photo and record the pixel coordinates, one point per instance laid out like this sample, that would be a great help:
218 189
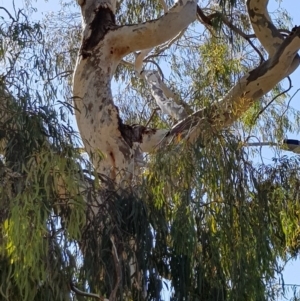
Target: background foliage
205 223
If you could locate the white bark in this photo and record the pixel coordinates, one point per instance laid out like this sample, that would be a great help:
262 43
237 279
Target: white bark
152 139
167 106
138 64
157 87
103 46
263 27
268 35
127 39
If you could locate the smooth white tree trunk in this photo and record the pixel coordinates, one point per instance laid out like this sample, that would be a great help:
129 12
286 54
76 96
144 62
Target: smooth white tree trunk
114 147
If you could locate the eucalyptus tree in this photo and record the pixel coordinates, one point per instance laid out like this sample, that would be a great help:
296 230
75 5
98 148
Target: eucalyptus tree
165 201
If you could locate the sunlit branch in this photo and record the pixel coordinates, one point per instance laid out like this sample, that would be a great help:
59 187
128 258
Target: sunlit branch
170 94
139 60
167 106
266 32
153 33
249 89
138 65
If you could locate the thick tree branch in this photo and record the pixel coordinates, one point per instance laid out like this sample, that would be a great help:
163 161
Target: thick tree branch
167 106
138 65
249 89
170 94
152 138
139 60
165 89
268 35
132 38
165 46
252 86
202 17
103 46
102 49
153 79
263 27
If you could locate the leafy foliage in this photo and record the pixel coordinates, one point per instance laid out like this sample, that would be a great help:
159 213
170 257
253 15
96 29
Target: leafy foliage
205 223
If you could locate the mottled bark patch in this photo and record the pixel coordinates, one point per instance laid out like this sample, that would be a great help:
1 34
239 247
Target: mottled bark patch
103 21
90 106
258 72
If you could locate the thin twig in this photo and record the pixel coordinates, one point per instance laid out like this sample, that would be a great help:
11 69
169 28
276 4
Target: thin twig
261 144
9 14
118 269
288 284
257 51
248 37
85 294
159 69
62 74
269 103
289 102
152 115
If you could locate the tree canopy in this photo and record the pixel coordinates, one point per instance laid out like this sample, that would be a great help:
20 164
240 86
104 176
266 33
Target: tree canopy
157 189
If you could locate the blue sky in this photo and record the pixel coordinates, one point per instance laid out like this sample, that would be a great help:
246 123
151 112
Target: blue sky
292 271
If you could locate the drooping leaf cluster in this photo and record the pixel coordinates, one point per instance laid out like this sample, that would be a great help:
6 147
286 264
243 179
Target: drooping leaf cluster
40 169
228 220
204 223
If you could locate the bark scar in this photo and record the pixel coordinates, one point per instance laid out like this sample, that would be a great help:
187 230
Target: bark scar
104 20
